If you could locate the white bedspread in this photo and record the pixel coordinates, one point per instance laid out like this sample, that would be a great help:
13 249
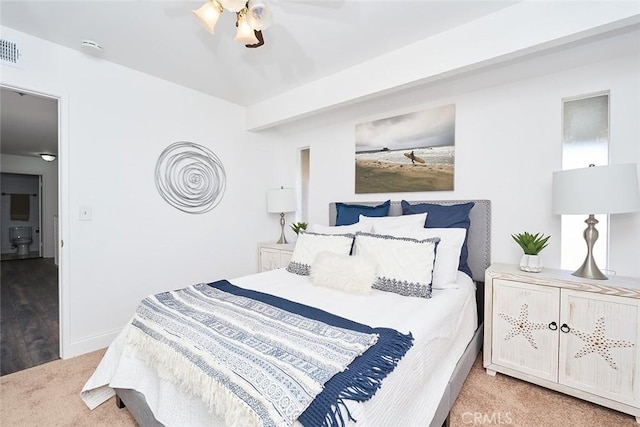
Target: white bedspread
442 326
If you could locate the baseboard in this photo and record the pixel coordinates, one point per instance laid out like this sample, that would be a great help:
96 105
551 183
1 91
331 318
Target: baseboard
89 344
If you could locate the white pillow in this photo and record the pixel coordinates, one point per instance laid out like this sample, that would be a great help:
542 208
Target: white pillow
405 265
416 221
448 250
352 274
309 245
339 229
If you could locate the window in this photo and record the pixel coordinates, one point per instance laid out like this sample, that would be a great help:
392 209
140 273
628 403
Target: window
585 141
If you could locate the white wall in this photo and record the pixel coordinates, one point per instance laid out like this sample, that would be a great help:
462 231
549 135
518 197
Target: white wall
49 172
115 123
508 141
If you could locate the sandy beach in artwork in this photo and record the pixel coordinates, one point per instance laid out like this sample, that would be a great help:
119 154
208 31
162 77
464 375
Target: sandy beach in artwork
373 176
392 171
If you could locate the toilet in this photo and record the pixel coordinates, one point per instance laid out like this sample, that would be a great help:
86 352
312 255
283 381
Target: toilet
21 238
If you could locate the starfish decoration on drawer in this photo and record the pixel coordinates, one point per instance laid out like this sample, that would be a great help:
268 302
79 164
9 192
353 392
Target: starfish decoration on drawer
596 342
522 325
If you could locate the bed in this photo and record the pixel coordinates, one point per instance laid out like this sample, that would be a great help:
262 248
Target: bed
446 329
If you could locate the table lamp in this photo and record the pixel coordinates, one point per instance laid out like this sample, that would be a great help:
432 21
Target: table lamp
281 200
610 189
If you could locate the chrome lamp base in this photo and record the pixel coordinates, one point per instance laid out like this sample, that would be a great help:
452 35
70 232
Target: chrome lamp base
589 269
283 239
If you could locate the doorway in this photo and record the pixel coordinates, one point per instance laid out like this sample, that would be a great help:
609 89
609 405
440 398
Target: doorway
20 220
30 314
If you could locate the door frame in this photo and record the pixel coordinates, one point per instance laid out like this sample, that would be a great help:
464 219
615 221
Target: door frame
40 222
63 202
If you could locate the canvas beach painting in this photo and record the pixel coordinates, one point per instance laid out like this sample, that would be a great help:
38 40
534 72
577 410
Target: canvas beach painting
410 152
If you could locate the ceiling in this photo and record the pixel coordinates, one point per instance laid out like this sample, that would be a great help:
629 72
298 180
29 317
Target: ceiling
28 124
309 39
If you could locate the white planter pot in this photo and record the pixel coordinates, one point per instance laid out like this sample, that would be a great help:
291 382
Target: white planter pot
531 263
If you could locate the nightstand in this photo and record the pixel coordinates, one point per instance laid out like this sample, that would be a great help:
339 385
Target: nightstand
274 255
573 335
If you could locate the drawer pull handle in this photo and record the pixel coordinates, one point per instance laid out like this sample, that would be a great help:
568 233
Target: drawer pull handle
553 326
565 328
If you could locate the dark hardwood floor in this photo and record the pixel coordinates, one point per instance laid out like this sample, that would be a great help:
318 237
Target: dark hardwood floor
28 314
10 256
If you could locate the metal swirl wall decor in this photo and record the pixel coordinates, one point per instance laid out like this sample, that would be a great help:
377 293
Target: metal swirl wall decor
190 177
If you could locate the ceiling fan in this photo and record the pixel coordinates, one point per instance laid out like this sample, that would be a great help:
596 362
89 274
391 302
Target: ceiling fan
252 17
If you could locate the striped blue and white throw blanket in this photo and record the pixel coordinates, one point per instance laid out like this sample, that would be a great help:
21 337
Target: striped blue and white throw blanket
259 360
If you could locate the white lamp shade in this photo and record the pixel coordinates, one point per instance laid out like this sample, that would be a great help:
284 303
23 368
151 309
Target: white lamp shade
245 34
233 5
258 15
281 200
48 157
208 14
595 190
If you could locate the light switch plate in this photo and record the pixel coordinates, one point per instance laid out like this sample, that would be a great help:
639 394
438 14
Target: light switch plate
85 213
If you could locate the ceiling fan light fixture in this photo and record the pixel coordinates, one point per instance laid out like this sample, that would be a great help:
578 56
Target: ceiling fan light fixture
258 35
208 14
233 5
245 33
252 16
258 15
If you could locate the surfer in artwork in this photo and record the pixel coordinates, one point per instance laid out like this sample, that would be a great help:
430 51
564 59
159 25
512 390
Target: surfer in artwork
414 158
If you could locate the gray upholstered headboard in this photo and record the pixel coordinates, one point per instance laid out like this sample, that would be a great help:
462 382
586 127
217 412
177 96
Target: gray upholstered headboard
479 237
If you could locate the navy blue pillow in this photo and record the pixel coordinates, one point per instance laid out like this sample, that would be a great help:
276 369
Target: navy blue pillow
445 216
350 214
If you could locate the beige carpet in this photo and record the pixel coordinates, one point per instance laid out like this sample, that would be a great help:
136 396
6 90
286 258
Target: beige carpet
48 395
501 400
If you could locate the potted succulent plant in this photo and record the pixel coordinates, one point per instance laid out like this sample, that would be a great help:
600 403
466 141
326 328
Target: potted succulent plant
531 244
297 226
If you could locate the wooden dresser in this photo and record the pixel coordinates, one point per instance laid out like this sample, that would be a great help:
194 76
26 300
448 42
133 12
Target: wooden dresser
573 335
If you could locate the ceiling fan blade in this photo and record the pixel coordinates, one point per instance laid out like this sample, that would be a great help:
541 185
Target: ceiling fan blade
331 4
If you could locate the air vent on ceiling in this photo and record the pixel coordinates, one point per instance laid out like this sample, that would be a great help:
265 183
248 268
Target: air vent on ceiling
9 52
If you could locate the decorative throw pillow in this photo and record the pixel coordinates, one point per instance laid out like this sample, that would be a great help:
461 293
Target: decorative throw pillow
445 269
309 245
405 265
349 214
339 229
353 274
445 216
416 222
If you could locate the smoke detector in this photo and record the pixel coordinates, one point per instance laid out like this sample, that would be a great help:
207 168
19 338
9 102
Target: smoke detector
91 47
